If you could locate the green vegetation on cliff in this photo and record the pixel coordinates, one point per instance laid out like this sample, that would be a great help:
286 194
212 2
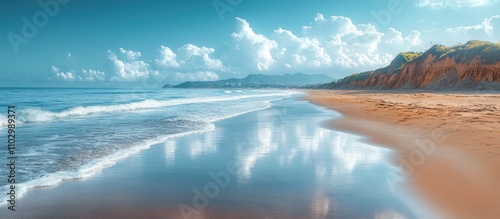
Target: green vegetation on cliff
488 52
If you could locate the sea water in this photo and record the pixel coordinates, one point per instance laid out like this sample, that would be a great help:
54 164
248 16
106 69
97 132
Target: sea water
64 134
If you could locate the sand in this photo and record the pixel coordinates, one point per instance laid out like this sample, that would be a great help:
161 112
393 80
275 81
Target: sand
448 144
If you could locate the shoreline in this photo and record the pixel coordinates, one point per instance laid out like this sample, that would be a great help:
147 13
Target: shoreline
444 142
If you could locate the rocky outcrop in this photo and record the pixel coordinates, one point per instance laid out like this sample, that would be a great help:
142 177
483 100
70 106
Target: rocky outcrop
474 65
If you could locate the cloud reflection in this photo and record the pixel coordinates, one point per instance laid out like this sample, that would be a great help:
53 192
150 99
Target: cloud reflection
302 142
260 146
170 146
202 144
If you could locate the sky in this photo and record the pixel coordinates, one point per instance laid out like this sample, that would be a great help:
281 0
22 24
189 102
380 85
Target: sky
147 43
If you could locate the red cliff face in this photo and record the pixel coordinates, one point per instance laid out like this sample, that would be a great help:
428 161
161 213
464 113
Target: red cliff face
439 68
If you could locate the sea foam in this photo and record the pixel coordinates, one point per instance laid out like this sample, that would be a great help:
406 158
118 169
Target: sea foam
91 168
34 114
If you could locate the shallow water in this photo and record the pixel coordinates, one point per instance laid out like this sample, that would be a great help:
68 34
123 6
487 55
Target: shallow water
65 134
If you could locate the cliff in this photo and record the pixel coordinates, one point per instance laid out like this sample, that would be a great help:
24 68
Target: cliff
474 65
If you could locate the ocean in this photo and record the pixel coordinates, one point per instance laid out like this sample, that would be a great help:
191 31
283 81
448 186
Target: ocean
65 134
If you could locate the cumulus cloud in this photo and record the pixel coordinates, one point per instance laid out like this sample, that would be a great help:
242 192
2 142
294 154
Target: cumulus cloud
129 54
61 75
194 57
325 29
91 75
196 76
438 4
167 58
357 46
74 76
489 29
256 49
328 43
300 52
127 67
189 62
393 40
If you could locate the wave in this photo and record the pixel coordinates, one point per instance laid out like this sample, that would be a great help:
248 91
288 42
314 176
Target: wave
220 117
3 121
33 115
91 168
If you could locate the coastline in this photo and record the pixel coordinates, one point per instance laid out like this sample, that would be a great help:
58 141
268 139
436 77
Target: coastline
447 144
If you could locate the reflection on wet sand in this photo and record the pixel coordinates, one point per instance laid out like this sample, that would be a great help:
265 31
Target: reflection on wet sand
295 142
287 162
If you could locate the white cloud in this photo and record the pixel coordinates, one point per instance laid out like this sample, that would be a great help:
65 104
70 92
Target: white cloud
327 44
61 75
192 56
296 52
189 63
327 29
413 39
438 4
92 75
82 76
129 54
253 48
392 36
489 29
351 46
167 58
196 76
127 67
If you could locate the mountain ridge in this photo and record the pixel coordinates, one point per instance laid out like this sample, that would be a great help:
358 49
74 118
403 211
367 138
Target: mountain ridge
259 81
473 65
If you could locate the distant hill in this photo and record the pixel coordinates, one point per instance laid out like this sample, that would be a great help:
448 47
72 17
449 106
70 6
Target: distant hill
260 81
474 65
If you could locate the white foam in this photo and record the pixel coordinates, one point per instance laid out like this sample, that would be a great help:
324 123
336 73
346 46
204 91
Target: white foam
267 105
91 168
95 166
3 121
32 115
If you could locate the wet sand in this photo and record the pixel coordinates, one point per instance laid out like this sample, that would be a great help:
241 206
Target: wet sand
448 144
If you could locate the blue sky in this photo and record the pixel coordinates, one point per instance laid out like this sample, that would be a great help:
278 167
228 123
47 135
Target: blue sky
146 43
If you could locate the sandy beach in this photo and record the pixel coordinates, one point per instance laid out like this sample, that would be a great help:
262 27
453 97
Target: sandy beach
448 144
